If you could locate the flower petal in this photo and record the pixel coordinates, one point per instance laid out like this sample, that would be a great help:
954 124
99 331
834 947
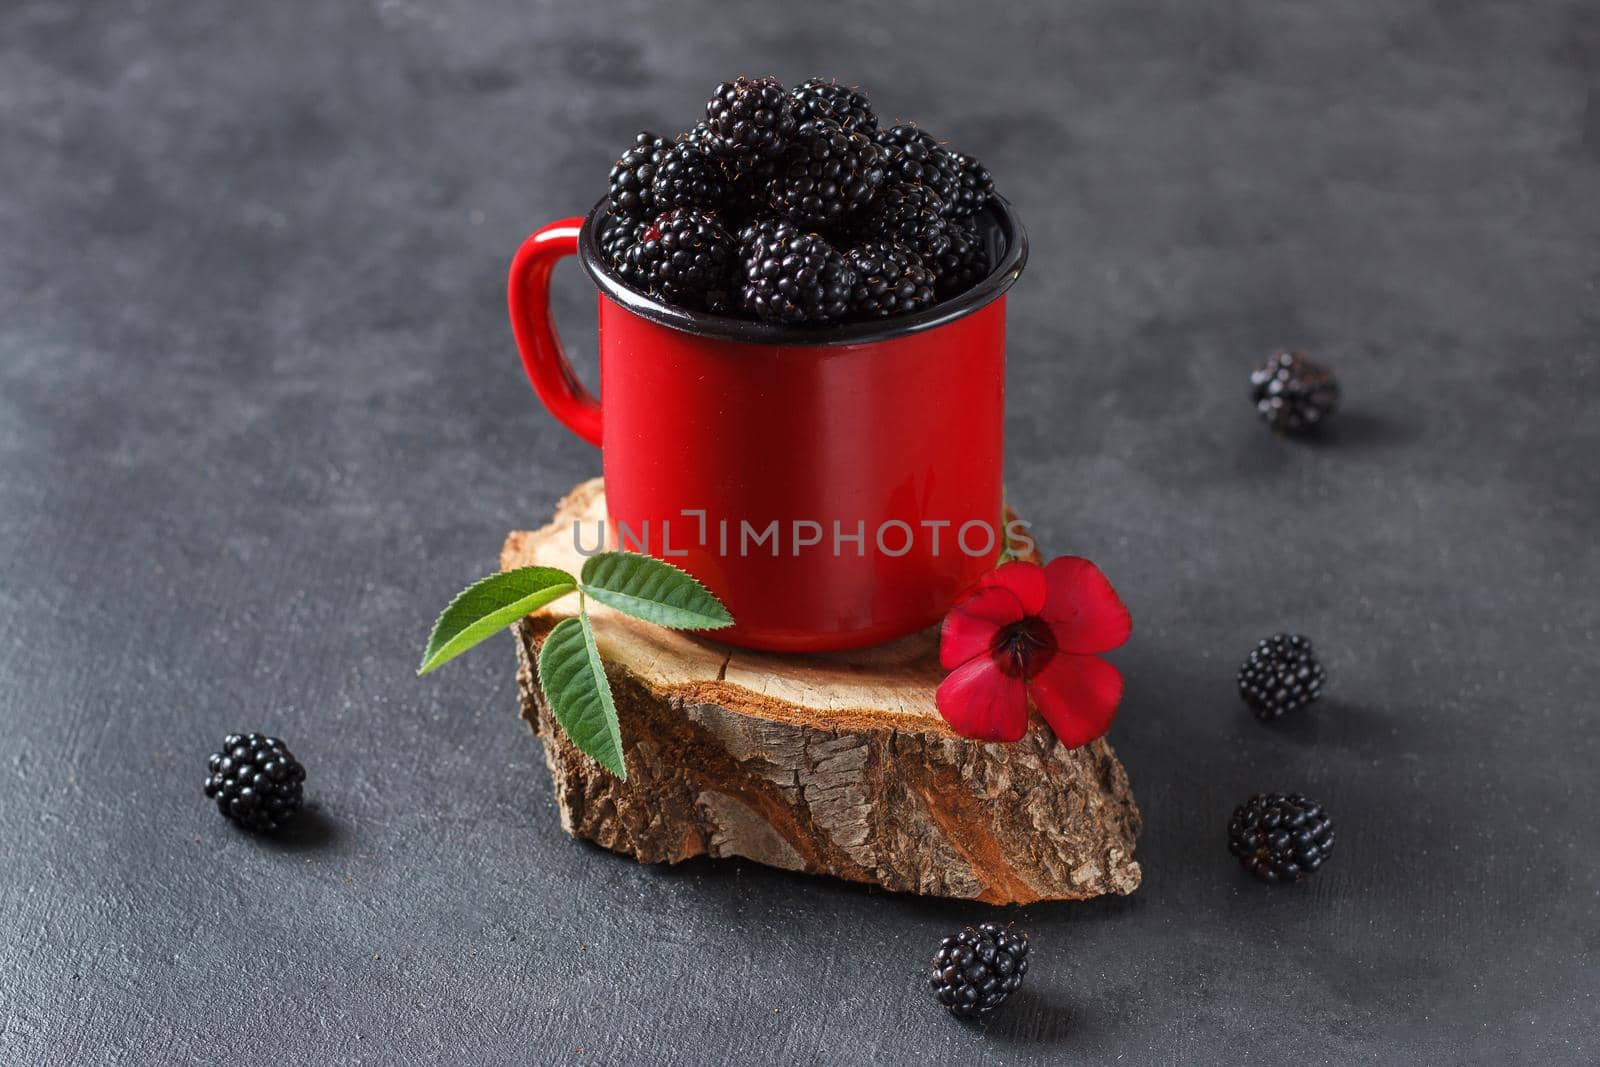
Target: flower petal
970 626
1078 697
979 700
1024 579
1084 612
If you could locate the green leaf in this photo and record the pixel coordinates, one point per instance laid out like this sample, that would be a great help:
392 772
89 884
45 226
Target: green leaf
486 607
649 589
574 682
1006 555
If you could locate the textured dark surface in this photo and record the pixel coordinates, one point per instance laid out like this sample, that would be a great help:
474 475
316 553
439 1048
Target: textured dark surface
260 416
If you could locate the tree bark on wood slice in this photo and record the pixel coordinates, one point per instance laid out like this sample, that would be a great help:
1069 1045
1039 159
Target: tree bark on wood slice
835 763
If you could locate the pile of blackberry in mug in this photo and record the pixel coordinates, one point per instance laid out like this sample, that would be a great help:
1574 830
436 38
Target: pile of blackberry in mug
796 207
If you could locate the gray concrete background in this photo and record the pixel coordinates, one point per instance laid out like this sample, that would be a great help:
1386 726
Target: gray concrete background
260 416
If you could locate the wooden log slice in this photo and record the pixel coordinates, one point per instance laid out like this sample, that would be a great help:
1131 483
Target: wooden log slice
835 763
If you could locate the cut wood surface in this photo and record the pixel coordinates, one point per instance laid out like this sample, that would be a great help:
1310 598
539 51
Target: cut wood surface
834 763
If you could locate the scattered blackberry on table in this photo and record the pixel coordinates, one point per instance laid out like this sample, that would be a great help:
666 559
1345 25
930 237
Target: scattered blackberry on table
255 781
976 970
629 184
911 155
689 176
824 98
750 117
785 274
1280 838
685 257
911 215
828 175
964 262
974 187
1292 393
890 280
1281 675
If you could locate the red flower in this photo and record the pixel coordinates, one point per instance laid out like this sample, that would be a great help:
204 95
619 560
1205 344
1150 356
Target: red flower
1031 631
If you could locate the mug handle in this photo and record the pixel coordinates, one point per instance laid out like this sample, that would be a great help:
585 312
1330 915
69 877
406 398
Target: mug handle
528 294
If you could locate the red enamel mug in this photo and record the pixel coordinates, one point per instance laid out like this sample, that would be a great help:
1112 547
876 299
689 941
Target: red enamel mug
837 487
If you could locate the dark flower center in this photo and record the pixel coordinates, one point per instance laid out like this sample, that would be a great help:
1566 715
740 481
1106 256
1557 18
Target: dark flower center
1023 647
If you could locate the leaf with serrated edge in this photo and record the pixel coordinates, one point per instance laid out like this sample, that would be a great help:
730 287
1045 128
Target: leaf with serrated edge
648 589
486 607
574 683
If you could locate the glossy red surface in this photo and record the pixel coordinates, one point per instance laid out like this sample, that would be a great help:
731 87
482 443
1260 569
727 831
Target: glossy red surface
906 430
528 295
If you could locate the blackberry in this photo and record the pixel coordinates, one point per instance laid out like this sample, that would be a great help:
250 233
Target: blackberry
685 257
632 175
974 187
1292 393
701 135
976 970
1281 675
890 280
910 215
785 274
1280 838
255 781
750 117
618 241
847 105
828 174
748 180
911 155
964 262
689 176
744 179
619 234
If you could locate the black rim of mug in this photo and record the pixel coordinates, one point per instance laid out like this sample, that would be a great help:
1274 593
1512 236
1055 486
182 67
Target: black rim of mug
1008 247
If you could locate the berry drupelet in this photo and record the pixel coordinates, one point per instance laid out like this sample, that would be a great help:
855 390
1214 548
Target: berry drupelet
1280 838
1281 675
785 274
255 781
628 187
685 257
828 175
890 280
688 176
1292 393
824 98
976 970
750 117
